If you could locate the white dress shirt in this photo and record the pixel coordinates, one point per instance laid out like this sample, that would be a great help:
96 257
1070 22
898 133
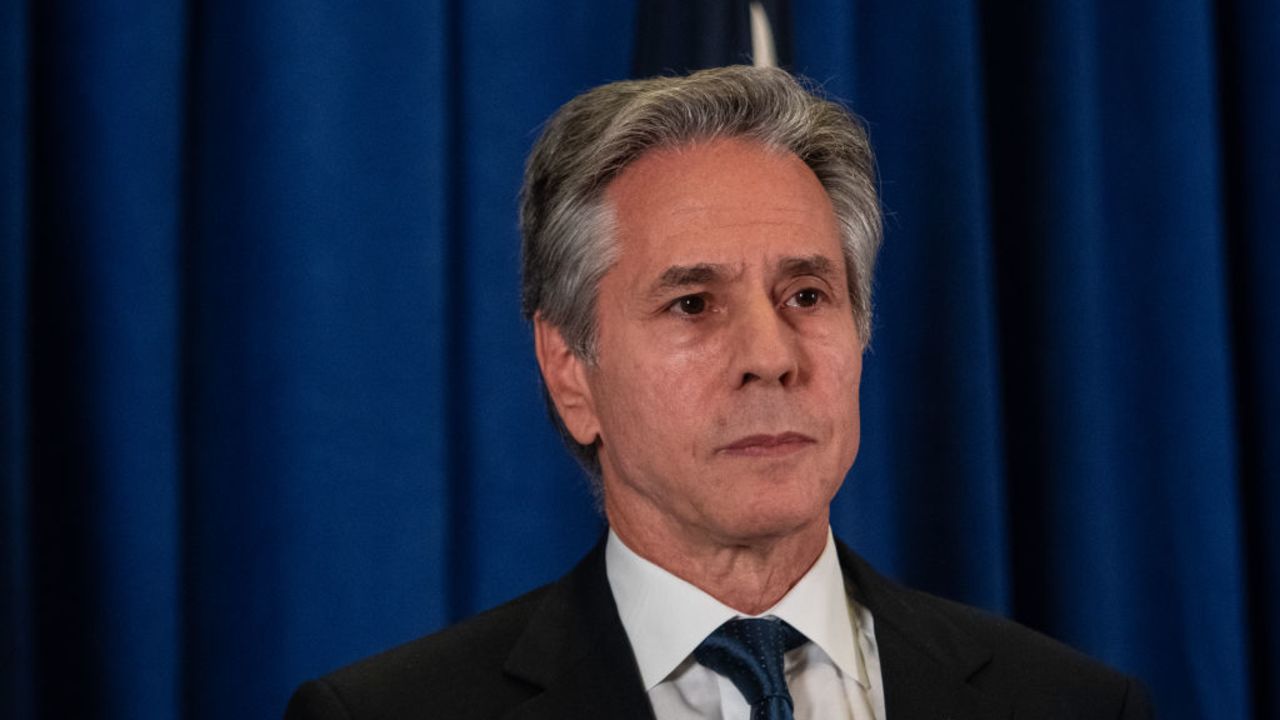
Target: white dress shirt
834 675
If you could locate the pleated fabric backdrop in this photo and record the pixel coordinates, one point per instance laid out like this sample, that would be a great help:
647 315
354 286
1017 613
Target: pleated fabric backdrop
268 404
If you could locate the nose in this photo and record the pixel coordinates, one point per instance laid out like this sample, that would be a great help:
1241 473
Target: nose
767 350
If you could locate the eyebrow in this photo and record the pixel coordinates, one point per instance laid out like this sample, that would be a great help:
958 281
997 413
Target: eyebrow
680 276
818 265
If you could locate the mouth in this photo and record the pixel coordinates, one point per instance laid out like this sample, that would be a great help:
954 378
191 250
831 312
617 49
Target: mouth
768 445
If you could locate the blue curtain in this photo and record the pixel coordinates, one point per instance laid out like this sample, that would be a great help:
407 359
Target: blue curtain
268 404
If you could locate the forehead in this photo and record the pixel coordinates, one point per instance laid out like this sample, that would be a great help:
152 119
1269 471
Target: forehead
728 200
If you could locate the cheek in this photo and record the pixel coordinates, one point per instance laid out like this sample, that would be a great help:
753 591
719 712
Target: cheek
635 393
660 397
854 377
839 362
853 407
839 370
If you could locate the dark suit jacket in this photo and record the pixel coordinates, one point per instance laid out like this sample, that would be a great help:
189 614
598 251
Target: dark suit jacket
561 652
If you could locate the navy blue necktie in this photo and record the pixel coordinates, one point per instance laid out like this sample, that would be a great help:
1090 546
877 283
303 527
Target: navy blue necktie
749 652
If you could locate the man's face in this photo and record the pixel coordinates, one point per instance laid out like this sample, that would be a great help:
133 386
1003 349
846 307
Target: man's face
725 388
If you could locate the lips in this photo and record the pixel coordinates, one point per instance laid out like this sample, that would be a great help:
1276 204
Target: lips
768 444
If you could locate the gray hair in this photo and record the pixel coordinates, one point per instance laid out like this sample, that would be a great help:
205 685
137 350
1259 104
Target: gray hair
566 224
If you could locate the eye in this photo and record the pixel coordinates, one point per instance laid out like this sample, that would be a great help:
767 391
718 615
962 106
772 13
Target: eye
806 298
690 305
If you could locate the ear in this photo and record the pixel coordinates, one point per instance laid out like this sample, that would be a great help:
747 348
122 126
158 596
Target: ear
566 377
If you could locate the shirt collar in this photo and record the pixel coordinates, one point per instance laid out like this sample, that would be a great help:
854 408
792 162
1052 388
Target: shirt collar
666 617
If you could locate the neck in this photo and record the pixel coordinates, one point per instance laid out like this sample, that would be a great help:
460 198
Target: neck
749 574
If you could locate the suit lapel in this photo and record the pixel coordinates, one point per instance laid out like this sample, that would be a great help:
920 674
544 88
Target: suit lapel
918 686
577 651
925 660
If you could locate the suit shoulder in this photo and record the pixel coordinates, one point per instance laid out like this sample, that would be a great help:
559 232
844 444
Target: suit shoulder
1038 671
1007 637
460 666
487 636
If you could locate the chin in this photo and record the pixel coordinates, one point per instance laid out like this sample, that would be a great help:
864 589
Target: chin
767 516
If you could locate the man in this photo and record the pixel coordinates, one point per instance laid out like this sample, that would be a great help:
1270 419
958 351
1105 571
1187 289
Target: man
697 269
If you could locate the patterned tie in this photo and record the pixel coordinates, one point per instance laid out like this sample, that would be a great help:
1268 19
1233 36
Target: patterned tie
749 653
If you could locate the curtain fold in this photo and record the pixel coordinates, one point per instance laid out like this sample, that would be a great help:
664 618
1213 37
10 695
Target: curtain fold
1248 45
1116 324
103 490
15 602
267 403
318 518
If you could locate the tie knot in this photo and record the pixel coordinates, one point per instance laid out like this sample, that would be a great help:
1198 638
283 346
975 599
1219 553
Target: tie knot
748 651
